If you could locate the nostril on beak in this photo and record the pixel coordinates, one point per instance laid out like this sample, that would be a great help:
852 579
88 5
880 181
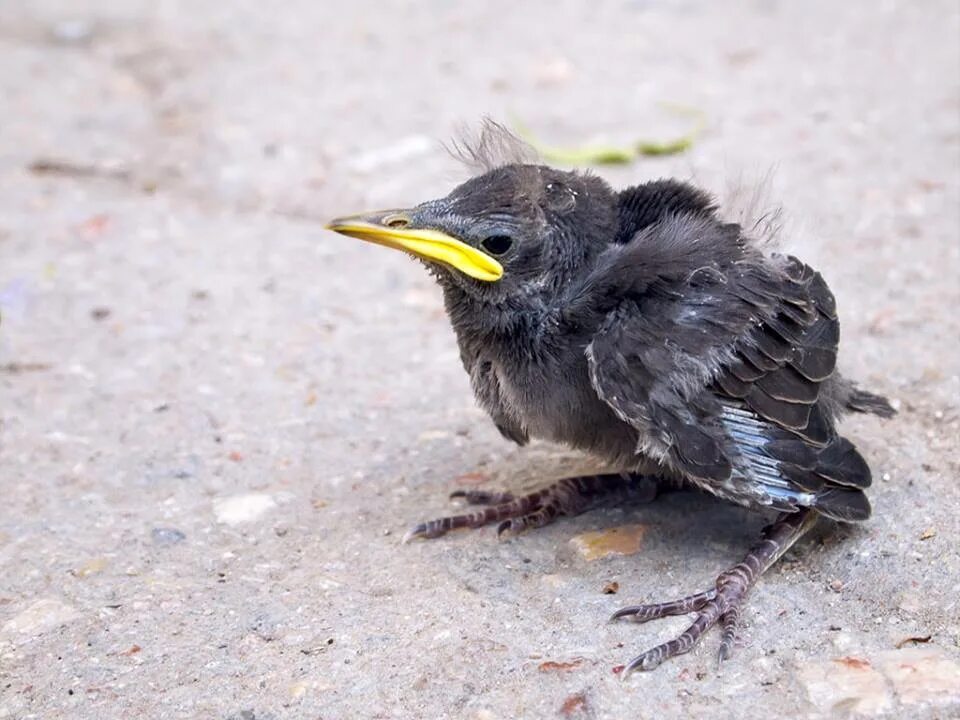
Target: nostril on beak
396 220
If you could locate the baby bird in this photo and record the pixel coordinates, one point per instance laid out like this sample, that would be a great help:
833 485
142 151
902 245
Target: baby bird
639 327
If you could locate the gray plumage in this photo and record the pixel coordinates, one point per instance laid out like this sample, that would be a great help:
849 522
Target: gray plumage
639 327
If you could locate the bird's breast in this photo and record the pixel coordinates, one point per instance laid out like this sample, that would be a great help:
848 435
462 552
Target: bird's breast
550 393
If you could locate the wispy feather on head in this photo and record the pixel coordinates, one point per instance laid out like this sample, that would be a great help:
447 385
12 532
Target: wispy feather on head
492 146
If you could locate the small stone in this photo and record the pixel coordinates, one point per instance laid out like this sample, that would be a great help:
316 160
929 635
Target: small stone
45 614
266 626
239 509
928 533
250 715
298 690
163 537
622 540
845 686
91 567
244 715
842 641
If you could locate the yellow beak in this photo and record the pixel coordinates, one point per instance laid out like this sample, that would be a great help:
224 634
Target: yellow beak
389 228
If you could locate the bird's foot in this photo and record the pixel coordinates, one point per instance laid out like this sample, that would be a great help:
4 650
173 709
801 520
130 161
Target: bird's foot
569 496
722 603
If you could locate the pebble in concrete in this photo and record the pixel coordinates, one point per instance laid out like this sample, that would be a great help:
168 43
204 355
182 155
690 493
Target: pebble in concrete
43 615
239 509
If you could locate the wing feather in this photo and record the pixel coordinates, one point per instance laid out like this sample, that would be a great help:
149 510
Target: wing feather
721 372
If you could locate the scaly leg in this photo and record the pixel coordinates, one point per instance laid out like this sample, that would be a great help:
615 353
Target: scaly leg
570 496
723 602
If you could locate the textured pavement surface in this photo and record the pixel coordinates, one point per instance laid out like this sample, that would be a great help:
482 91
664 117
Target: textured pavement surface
218 419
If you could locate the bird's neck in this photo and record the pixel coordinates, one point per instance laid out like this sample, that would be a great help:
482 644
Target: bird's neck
510 324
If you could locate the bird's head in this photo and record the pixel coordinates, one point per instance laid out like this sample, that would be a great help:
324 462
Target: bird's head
518 230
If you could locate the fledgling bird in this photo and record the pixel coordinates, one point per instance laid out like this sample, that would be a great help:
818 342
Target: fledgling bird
639 327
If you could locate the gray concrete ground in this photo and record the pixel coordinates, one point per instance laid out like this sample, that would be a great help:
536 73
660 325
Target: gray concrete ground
217 419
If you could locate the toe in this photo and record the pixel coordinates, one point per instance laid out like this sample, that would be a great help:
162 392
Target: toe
643 613
482 497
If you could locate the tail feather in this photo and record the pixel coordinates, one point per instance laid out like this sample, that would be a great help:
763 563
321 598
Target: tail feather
843 464
842 503
868 402
839 463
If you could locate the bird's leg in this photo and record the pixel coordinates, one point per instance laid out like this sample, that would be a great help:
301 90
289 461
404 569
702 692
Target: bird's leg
569 496
723 602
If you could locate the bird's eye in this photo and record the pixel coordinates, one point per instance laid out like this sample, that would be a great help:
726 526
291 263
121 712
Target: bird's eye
497 244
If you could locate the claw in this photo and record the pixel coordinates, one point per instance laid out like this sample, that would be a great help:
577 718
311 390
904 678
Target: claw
709 606
645 661
730 621
723 602
417 531
569 496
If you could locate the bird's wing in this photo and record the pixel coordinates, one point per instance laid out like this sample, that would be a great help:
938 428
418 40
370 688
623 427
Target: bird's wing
486 388
721 373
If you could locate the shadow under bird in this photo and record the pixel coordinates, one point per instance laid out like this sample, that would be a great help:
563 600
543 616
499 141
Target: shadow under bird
639 327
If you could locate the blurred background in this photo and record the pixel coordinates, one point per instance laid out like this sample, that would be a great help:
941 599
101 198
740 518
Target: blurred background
217 419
